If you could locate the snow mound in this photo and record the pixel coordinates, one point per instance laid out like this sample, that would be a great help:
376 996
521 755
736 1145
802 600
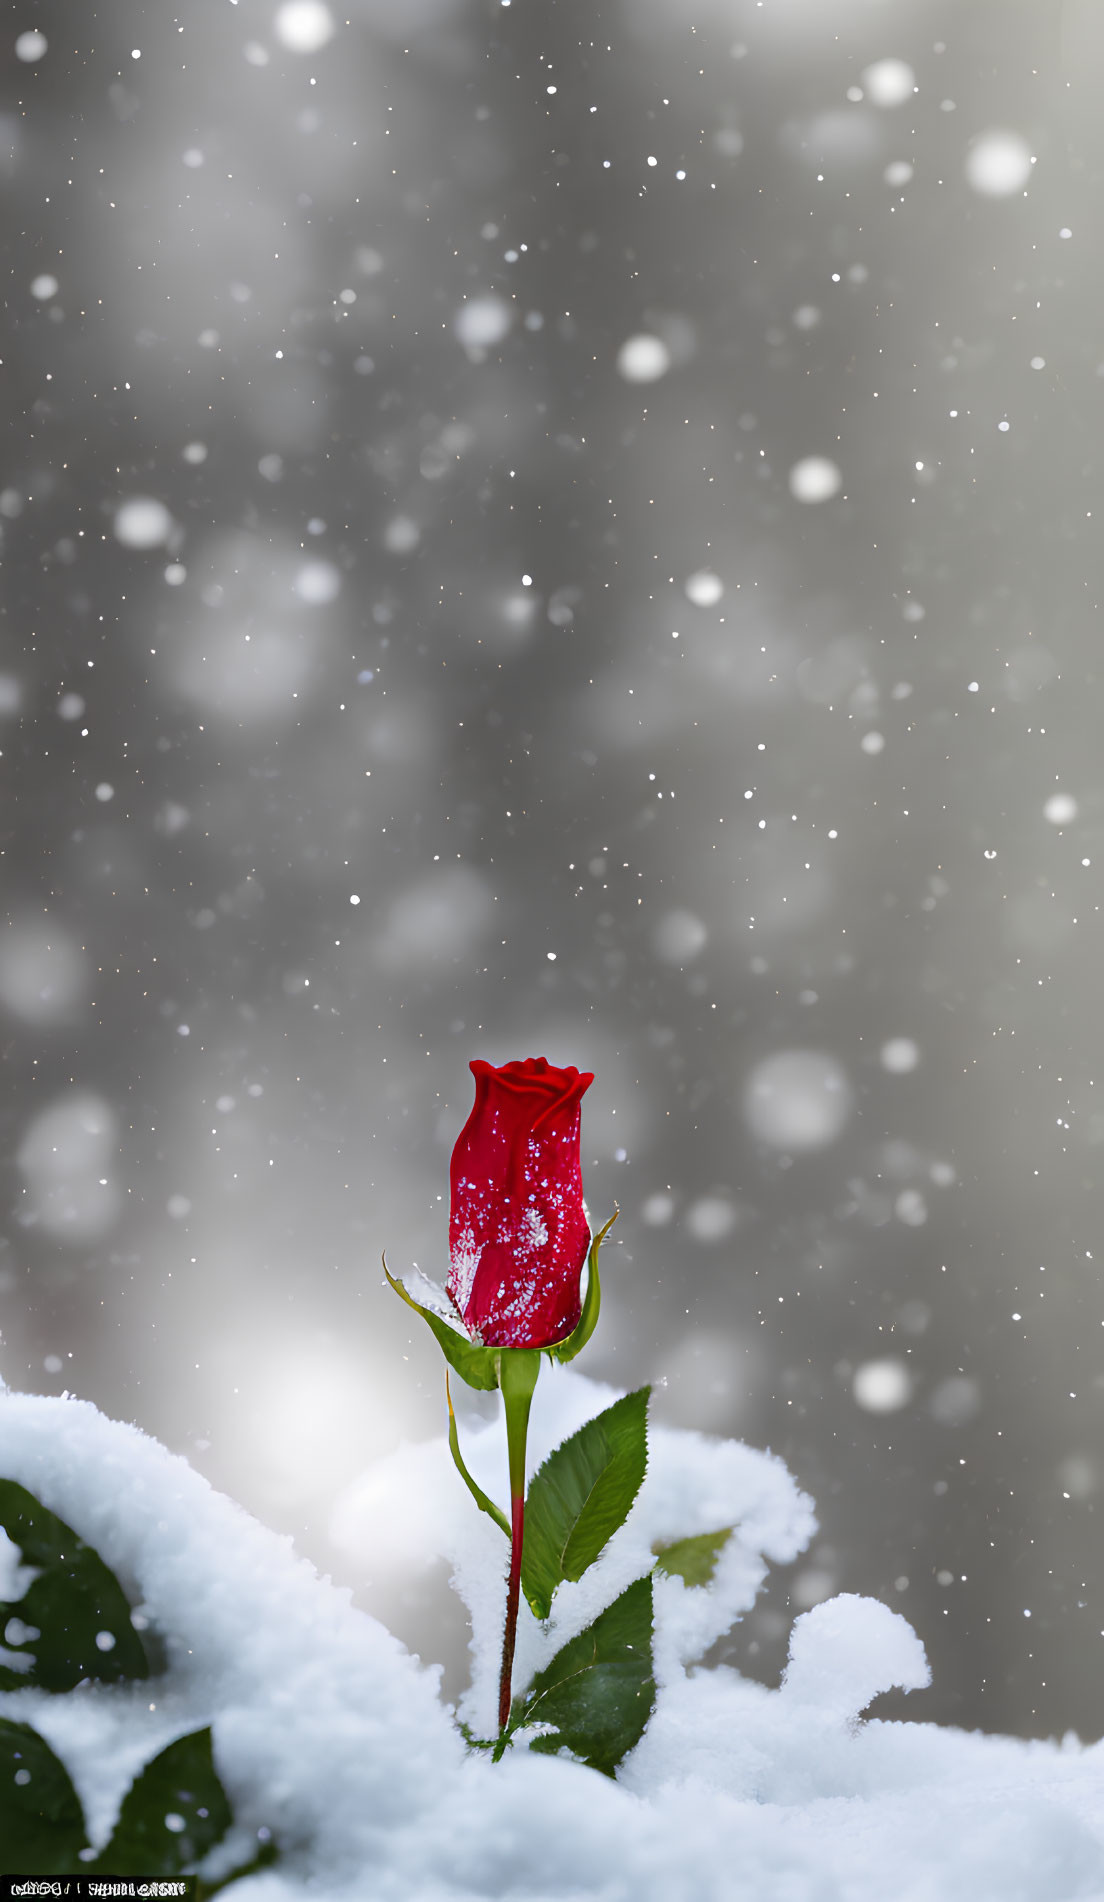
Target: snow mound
326 1730
846 1651
693 1484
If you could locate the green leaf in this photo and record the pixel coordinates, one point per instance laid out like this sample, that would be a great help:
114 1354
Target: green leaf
41 1821
74 1601
477 1365
173 1813
484 1503
592 1301
693 1560
581 1495
599 1691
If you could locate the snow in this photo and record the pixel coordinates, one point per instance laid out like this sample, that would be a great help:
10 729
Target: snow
30 46
852 1648
244 646
955 1401
532 1232
911 1208
464 1262
142 522
326 1729
42 971
704 588
998 164
304 25
814 479
679 936
481 322
881 1386
1061 809
888 82
401 535
436 920
318 582
64 1159
797 1099
898 1055
710 1218
643 358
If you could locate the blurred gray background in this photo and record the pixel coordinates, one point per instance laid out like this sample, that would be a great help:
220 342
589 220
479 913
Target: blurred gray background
571 529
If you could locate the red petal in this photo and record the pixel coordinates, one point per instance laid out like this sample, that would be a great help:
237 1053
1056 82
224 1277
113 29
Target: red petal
518 1233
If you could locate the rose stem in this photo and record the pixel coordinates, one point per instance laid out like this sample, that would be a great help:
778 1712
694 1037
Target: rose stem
518 1370
517 1514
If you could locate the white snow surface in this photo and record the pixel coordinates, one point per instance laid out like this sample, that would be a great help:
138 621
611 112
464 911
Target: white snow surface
329 1732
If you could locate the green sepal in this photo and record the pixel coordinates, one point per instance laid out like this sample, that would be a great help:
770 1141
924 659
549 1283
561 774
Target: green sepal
42 1828
476 1365
74 1600
599 1691
581 1496
693 1560
484 1503
567 1349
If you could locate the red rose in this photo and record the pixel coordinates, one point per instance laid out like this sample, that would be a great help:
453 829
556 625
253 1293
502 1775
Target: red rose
518 1236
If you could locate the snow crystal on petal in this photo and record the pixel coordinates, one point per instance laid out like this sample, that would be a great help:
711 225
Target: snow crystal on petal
464 1261
534 1233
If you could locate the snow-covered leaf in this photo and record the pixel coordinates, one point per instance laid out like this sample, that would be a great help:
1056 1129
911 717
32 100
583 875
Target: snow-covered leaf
174 1812
599 1690
581 1495
693 1560
41 1821
75 1604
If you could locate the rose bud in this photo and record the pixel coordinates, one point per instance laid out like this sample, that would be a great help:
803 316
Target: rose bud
518 1233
